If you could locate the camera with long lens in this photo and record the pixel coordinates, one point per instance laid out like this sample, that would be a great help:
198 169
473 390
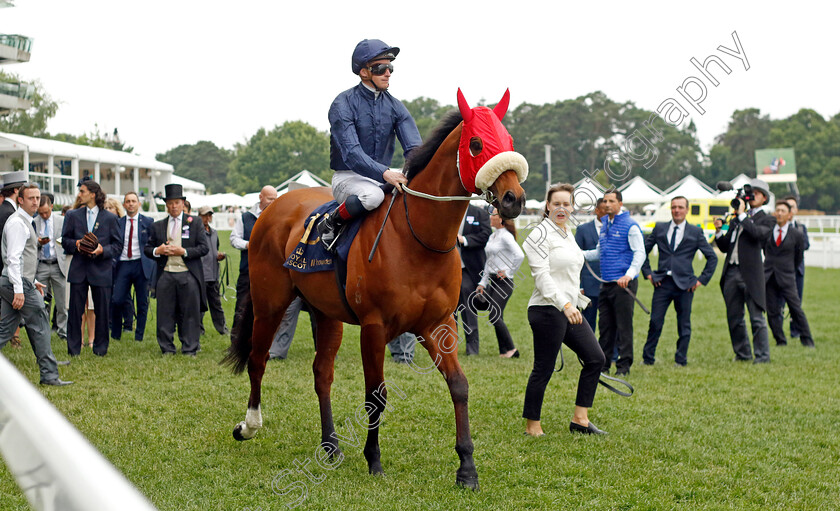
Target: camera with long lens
745 193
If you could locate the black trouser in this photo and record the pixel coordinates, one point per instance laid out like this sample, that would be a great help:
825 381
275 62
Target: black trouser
590 314
178 303
467 311
551 329
663 295
498 293
214 304
777 293
735 295
243 289
129 273
615 308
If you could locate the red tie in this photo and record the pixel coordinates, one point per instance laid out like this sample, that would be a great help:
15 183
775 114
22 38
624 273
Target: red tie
779 238
130 236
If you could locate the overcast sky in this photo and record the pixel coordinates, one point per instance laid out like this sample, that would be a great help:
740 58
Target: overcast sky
175 72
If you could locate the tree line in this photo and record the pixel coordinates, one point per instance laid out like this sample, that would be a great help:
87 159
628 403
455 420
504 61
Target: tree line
583 133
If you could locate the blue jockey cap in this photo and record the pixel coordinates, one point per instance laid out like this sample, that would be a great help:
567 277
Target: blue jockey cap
371 49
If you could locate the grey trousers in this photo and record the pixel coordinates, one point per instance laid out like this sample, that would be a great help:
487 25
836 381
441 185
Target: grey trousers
402 347
286 331
50 275
37 324
735 295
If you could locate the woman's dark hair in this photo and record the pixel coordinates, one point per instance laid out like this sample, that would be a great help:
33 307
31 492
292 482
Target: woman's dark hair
94 188
559 187
506 222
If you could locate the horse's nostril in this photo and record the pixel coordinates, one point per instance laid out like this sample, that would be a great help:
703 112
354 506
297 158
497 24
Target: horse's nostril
509 199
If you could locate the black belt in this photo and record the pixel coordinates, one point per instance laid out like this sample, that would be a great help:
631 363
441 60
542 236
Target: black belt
48 261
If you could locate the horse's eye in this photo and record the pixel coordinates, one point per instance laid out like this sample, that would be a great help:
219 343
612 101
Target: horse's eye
475 146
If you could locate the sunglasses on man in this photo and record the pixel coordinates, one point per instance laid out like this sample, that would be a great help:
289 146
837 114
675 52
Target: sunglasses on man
379 69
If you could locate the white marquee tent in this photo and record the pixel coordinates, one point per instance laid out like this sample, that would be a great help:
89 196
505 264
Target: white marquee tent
639 191
689 187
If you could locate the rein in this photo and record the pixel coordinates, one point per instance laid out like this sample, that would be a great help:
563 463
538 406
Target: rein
601 378
427 247
599 279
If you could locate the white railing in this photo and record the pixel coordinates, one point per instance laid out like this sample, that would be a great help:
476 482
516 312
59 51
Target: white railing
820 223
54 465
824 251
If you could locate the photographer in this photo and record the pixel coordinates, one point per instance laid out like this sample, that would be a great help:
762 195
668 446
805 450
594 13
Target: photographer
742 281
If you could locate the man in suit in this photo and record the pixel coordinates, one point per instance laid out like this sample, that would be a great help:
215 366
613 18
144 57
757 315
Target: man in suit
133 268
210 265
742 281
783 252
792 201
92 270
586 237
52 264
674 281
472 237
178 242
21 294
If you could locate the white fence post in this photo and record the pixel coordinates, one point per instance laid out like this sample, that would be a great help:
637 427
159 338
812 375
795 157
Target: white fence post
54 465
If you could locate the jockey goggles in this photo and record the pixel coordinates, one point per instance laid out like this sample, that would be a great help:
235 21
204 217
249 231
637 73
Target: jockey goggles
379 69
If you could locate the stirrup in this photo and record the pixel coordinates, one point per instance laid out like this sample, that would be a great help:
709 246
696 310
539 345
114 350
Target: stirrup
326 226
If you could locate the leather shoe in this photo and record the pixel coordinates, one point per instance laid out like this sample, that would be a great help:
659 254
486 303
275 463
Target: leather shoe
622 372
587 430
56 382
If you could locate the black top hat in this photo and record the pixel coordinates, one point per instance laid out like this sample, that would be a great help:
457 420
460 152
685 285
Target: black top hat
173 191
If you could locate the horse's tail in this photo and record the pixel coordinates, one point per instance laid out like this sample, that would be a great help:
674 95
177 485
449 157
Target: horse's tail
241 335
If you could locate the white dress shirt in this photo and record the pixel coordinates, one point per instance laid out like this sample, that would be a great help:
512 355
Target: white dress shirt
556 261
15 234
784 230
503 254
237 235
135 239
680 233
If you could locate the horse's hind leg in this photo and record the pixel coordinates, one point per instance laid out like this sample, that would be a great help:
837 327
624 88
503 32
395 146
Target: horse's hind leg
373 351
442 345
269 308
328 339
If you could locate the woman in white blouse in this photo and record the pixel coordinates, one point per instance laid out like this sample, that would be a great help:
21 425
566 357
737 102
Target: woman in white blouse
554 315
504 256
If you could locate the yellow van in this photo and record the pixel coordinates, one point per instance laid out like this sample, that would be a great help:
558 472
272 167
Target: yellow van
701 212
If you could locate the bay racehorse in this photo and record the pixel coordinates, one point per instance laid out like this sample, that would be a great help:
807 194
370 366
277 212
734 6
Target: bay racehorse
411 284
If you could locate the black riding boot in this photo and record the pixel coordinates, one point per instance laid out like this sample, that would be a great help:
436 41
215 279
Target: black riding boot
329 228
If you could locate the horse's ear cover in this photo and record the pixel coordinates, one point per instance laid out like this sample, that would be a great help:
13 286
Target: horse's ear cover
479 172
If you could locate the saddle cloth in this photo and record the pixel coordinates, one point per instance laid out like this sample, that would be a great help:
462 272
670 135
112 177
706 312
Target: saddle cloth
310 255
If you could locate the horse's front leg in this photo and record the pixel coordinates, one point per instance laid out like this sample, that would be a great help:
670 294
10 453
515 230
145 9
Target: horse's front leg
442 345
328 340
373 342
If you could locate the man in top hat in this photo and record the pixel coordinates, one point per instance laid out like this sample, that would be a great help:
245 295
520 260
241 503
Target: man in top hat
178 242
91 235
742 280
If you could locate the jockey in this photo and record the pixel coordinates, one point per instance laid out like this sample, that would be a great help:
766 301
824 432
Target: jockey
363 122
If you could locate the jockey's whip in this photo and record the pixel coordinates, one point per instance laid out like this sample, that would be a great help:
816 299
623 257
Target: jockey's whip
378 236
631 293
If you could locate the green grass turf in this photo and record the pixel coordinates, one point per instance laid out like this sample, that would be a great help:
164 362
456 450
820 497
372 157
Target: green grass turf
714 435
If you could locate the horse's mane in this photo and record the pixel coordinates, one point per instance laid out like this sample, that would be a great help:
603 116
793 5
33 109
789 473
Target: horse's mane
420 157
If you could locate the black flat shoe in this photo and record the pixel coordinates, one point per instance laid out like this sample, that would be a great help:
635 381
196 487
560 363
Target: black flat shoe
586 430
515 354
